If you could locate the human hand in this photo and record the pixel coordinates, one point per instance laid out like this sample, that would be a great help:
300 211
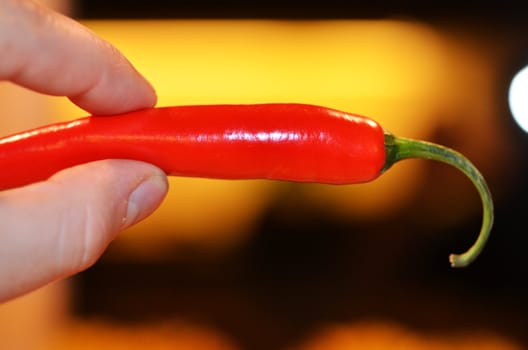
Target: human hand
56 228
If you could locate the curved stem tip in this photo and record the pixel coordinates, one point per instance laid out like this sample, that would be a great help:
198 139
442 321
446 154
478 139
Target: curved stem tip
399 148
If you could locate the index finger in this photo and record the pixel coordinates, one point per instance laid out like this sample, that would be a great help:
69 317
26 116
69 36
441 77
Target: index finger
53 54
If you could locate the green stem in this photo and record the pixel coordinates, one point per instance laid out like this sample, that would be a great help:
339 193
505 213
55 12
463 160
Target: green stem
401 148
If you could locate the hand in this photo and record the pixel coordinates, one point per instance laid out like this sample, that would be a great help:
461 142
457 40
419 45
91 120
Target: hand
56 228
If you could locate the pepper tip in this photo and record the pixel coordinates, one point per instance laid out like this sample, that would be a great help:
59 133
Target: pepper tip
460 260
452 260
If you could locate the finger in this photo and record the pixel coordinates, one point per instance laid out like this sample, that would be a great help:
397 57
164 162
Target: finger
50 53
56 228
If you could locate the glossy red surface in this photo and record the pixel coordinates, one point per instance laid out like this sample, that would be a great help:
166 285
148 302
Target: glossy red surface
293 142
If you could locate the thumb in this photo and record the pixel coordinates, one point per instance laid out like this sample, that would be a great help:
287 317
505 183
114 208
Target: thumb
56 228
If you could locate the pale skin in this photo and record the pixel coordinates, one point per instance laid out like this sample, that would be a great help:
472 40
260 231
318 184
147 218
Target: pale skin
54 229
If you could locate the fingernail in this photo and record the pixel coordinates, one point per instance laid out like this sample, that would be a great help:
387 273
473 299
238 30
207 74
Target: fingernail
144 199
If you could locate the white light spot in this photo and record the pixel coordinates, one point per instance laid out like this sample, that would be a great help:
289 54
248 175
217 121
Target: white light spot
518 98
262 136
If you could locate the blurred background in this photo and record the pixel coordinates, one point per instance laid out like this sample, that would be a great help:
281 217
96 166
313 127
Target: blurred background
272 265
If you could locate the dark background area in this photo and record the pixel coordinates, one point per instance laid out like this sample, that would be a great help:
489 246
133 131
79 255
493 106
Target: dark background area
300 271
494 11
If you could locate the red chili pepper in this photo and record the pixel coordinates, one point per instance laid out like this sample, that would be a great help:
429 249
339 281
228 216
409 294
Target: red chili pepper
292 142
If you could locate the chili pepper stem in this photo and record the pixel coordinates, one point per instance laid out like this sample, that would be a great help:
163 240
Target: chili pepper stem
399 148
